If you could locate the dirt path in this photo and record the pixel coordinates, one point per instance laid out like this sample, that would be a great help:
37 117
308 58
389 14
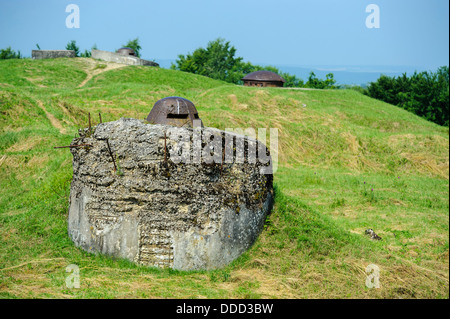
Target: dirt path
55 122
92 68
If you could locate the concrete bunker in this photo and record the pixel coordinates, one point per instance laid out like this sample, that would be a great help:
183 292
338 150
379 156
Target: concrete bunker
123 56
263 79
52 54
126 51
161 212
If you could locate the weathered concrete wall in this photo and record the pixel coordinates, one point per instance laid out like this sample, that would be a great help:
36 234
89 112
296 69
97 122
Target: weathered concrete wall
158 212
119 58
52 54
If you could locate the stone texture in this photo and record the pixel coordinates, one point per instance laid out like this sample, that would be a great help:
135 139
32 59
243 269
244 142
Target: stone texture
52 54
156 212
120 58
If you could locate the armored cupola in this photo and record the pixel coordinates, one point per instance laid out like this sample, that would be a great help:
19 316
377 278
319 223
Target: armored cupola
126 51
175 111
263 79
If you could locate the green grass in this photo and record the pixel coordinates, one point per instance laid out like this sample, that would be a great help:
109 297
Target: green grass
333 152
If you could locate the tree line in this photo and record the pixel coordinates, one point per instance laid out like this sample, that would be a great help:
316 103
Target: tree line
425 94
219 61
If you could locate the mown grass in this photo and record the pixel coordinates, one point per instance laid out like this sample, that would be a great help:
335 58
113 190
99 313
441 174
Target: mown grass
335 147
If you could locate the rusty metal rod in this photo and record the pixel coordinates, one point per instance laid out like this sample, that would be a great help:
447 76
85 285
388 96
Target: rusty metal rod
223 158
70 146
89 114
165 151
100 117
111 154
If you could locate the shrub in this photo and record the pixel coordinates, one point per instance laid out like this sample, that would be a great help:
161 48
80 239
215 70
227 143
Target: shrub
315 83
72 45
8 53
425 94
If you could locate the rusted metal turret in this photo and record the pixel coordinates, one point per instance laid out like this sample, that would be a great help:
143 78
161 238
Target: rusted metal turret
174 110
126 51
264 79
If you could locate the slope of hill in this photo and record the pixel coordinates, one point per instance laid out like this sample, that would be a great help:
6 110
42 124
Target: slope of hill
346 163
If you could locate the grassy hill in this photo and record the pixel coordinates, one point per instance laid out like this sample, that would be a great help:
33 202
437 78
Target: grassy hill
346 163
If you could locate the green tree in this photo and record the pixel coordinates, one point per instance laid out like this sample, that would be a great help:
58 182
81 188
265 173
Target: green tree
425 94
134 44
315 83
291 80
218 61
85 54
9 53
72 45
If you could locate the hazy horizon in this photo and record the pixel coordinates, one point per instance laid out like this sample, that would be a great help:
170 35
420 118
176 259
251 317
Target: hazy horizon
349 74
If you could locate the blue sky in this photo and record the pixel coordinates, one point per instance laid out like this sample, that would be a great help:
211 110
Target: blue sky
328 33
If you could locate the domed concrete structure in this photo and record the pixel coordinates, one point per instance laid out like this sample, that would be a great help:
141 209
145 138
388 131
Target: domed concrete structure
123 55
126 51
160 212
175 111
263 79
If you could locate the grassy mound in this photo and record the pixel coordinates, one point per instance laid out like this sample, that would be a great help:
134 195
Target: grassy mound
346 163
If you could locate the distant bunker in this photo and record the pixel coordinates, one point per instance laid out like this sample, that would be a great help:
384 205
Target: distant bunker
176 111
52 54
263 79
123 56
126 51
167 196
